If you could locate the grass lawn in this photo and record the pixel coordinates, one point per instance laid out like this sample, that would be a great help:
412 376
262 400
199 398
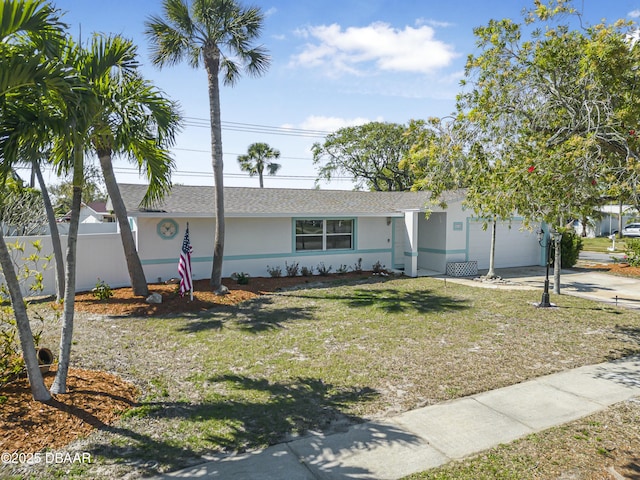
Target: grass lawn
601 244
277 367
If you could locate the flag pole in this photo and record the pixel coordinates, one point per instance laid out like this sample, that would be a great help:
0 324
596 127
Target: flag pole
191 292
184 266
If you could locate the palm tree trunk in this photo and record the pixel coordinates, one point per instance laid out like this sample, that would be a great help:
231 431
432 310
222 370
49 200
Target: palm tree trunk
66 335
38 389
136 273
491 274
212 63
53 229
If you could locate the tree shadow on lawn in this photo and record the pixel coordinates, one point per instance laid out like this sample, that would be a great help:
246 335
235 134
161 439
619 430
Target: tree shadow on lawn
238 421
253 316
393 300
630 335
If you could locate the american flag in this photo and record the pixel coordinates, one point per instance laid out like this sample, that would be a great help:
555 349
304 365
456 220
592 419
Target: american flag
184 265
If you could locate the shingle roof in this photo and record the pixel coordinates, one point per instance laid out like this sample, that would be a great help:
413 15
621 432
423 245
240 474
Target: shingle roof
187 200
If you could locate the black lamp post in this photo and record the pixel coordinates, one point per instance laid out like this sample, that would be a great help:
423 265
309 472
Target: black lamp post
545 294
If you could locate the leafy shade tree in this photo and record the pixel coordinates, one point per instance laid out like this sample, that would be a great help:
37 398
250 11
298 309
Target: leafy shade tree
449 155
437 158
218 34
258 157
563 102
371 154
93 190
30 36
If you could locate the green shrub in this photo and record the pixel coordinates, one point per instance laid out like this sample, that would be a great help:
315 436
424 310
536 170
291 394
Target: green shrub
323 270
102 290
570 247
306 271
292 270
378 269
241 278
275 272
28 269
342 269
357 267
632 251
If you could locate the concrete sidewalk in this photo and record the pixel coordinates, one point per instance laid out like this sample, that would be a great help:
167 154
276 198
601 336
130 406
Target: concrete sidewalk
432 436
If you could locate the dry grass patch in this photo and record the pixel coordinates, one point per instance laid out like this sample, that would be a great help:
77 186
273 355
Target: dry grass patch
275 367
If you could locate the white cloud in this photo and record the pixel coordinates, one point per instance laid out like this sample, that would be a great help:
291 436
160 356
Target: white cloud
331 124
433 23
634 14
351 50
321 123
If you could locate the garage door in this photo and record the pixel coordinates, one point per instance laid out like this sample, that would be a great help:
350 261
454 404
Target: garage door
514 248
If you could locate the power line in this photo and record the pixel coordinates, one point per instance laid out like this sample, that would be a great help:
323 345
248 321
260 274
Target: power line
192 173
235 154
257 128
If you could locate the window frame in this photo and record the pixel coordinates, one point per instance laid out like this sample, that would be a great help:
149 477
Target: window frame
325 234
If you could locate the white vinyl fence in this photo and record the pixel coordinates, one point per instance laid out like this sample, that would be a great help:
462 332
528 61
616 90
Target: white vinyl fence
99 256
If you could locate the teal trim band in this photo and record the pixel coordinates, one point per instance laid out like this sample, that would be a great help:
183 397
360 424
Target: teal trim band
410 254
165 261
373 250
440 251
393 240
466 251
500 220
267 256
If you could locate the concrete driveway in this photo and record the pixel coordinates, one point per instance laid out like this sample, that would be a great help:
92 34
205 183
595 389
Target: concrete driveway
580 282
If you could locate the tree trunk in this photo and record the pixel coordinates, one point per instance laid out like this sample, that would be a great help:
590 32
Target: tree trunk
620 219
136 273
38 389
66 335
557 263
212 64
55 234
491 274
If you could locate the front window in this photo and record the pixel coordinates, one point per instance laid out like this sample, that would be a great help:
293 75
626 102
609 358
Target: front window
324 234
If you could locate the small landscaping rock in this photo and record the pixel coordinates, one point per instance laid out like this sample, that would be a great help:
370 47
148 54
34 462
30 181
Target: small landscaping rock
154 298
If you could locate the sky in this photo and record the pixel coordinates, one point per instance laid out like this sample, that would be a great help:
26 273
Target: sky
334 63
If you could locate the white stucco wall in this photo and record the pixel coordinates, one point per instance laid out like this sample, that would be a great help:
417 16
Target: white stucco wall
98 256
254 244
432 242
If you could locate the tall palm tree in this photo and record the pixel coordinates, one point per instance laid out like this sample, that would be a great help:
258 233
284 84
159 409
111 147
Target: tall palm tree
93 65
259 156
218 34
136 121
25 67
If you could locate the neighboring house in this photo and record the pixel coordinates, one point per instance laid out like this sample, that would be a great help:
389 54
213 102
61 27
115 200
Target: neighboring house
95 212
268 227
94 218
92 212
